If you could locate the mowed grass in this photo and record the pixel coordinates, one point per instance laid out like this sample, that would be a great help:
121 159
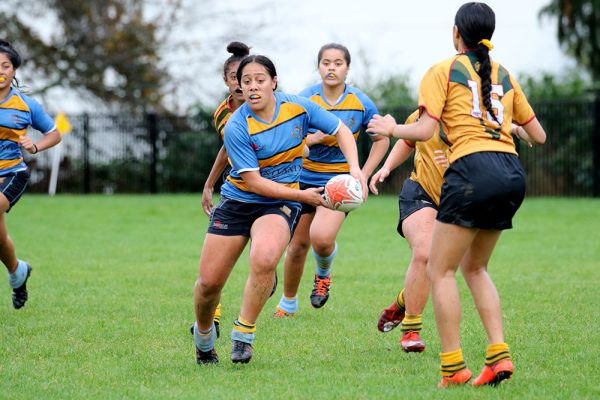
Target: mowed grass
111 304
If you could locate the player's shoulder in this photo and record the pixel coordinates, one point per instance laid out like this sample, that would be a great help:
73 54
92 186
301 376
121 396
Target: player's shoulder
310 91
362 96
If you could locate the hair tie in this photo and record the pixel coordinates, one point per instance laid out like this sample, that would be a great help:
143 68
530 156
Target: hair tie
487 44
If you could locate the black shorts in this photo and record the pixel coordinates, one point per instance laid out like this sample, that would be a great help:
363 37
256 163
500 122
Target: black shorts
482 190
412 198
307 208
13 185
235 218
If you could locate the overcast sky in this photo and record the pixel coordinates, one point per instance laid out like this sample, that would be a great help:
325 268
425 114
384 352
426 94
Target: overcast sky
385 37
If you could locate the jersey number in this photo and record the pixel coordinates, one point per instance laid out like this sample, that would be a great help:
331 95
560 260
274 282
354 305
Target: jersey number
496 104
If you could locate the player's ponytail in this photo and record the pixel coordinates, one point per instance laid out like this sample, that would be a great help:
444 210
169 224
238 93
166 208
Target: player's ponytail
476 23
238 51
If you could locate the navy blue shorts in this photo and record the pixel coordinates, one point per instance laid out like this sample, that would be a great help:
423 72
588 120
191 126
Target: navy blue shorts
13 185
307 208
235 218
412 198
482 190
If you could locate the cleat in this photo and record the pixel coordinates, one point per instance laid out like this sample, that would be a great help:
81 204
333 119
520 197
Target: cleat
411 342
19 295
207 357
494 374
390 318
274 286
459 378
241 352
279 313
320 292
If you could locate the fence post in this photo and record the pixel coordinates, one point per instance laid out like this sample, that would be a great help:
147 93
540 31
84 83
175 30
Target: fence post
86 154
596 145
153 137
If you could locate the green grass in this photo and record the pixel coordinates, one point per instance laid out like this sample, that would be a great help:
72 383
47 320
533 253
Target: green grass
111 303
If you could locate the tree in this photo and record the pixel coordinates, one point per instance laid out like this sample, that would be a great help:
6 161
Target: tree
546 86
578 31
391 92
107 48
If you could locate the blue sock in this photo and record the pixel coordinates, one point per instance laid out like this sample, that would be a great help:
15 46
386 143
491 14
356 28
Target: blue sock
205 340
289 305
324 263
17 278
242 336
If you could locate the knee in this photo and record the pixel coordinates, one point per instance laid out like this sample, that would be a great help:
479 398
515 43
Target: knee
264 262
207 288
323 247
298 248
419 259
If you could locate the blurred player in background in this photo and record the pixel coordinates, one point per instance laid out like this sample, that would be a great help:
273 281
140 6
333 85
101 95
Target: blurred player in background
17 112
319 226
476 100
260 200
418 203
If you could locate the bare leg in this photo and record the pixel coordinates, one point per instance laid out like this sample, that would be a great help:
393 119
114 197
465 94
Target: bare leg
7 247
270 236
474 268
219 255
324 229
418 228
295 256
448 246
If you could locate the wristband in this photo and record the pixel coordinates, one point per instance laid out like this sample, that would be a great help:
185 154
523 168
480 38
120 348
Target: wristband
36 149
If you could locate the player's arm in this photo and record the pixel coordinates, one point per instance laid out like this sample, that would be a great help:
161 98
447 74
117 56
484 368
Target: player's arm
268 188
377 153
532 132
421 130
217 169
399 154
347 145
49 140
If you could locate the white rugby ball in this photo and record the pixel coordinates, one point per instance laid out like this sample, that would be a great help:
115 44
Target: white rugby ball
344 193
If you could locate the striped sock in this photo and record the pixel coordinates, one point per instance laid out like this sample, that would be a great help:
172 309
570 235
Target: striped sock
324 263
205 339
243 331
452 362
400 299
496 352
412 323
217 316
289 305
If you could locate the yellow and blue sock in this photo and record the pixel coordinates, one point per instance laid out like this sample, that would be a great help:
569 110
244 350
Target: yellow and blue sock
243 331
205 339
452 362
287 304
324 263
496 352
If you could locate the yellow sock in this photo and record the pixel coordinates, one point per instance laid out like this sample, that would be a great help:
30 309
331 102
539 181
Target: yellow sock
452 362
400 299
412 323
217 316
244 326
496 352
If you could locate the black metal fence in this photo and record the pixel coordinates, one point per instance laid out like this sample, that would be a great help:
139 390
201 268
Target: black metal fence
153 153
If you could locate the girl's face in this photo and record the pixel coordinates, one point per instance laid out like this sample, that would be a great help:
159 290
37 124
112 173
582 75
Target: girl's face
232 83
7 72
257 86
333 67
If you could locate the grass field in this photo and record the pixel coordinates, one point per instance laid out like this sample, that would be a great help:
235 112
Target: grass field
111 303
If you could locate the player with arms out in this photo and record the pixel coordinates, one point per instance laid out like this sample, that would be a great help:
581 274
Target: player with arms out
17 112
319 226
418 203
260 201
477 100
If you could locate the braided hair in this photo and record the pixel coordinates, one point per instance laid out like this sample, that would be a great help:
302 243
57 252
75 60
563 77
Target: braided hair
476 23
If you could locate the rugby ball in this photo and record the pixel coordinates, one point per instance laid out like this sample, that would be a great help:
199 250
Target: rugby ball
343 193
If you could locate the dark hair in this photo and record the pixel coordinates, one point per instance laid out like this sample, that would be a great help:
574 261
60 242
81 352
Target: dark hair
335 46
13 56
475 22
262 60
238 51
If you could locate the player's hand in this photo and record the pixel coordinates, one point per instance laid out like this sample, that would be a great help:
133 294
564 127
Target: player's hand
27 144
207 204
313 197
378 178
383 126
315 138
358 174
441 158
